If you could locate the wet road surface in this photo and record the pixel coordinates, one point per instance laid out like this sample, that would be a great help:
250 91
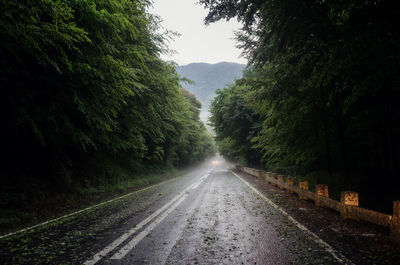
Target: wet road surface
209 216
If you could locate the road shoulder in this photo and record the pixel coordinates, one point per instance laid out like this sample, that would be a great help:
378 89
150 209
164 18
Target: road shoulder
361 242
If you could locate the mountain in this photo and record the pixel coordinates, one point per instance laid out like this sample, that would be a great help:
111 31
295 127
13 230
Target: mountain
208 78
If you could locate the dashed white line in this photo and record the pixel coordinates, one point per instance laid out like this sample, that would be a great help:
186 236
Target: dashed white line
328 248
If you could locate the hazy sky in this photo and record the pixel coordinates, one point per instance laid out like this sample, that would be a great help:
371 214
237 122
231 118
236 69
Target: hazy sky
197 43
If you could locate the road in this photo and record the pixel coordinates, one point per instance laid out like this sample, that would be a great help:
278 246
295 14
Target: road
207 216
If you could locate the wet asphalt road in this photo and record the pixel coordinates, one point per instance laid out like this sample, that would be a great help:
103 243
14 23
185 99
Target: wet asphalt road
208 216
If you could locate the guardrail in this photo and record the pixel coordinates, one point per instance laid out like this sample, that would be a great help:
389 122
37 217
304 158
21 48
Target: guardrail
347 206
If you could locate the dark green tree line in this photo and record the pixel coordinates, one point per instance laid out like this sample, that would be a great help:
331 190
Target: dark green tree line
326 86
85 91
235 123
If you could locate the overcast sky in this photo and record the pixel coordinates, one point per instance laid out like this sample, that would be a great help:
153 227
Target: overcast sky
197 43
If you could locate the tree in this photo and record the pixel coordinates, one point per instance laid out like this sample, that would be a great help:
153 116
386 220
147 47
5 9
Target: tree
86 91
234 123
326 83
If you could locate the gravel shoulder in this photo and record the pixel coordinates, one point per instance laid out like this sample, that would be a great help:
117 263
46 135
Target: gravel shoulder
361 242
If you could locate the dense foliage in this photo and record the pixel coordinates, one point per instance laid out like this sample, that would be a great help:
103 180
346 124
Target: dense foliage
235 123
324 81
85 92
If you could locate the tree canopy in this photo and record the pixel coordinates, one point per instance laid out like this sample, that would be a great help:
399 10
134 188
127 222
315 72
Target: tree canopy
324 81
85 88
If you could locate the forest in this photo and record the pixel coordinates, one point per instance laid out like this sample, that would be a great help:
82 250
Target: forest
320 96
88 103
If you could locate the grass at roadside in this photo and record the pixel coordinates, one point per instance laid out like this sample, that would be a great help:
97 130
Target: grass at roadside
49 205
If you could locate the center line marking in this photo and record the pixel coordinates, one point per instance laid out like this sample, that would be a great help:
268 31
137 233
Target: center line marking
98 256
124 250
198 184
136 240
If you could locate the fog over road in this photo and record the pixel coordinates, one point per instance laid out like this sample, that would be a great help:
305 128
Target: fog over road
207 216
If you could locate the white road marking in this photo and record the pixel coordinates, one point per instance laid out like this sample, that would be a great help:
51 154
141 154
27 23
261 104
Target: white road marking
98 256
125 236
196 186
328 248
83 210
201 180
123 251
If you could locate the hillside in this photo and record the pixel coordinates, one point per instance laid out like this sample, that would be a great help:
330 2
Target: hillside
208 78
